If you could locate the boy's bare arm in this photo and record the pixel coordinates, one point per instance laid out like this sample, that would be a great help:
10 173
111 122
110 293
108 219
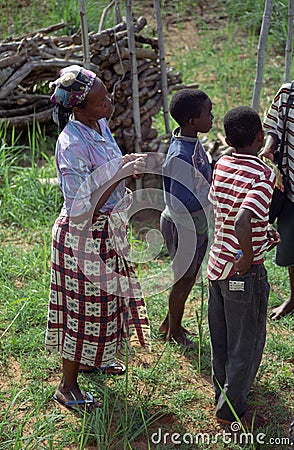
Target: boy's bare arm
243 232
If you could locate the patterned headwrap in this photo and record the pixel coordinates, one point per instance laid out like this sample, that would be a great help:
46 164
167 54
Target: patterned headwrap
70 89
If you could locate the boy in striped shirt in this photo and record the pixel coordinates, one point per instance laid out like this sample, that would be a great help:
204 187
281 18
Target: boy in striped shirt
241 192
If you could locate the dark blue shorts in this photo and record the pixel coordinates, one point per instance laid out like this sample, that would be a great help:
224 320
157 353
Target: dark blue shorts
185 247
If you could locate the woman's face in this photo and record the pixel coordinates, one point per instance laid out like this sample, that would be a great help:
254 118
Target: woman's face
99 102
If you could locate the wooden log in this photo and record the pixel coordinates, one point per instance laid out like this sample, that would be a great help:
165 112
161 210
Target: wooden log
30 60
178 87
121 98
153 42
120 117
151 108
147 93
107 74
25 110
151 78
128 138
5 73
110 84
13 60
145 127
23 121
146 73
146 53
118 109
127 122
23 99
122 67
47 30
29 67
139 24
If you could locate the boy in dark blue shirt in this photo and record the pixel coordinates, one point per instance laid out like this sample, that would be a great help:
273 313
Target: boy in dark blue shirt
186 180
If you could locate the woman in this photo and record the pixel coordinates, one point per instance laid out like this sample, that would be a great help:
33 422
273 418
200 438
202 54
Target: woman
96 303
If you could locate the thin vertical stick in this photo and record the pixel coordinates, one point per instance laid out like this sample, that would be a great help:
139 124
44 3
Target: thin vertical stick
118 11
164 86
288 50
85 36
261 51
104 15
135 83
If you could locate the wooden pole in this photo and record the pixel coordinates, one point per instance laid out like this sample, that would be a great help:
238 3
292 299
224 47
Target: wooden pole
119 19
135 83
288 50
104 15
85 35
268 7
118 14
164 85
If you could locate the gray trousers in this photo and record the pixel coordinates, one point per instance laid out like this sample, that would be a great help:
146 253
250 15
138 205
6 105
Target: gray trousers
237 309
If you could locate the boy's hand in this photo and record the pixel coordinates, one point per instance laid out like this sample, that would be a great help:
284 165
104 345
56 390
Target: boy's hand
273 237
243 263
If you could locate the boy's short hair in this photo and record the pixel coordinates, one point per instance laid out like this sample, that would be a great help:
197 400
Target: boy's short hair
242 124
186 104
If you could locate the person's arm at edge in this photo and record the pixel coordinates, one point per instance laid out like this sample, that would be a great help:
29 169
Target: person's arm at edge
270 146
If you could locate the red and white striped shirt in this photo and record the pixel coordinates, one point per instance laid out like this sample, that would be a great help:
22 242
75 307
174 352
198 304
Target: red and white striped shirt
239 181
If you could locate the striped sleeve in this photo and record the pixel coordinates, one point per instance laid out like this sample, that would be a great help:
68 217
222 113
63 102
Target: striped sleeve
275 116
259 197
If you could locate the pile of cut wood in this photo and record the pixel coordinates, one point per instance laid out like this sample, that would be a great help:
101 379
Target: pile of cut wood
29 64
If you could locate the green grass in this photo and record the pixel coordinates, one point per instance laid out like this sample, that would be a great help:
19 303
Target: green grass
165 386
19 18
168 389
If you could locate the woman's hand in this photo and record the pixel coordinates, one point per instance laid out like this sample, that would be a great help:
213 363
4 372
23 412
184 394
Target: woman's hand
132 157
134 164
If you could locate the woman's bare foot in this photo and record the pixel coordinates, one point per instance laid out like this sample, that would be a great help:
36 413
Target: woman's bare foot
76 400
69 394
116 368
280 311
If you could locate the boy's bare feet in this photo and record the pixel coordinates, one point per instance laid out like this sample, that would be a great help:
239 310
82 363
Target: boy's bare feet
280 311
163 328
180 339
250 421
